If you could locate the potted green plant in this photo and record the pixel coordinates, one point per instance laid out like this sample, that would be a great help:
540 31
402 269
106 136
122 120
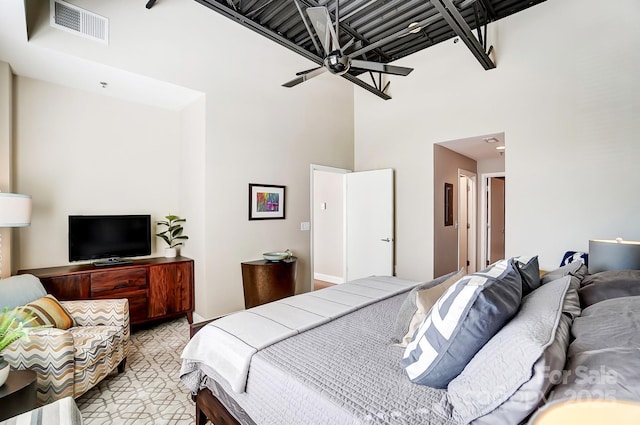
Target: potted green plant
13 326
172 234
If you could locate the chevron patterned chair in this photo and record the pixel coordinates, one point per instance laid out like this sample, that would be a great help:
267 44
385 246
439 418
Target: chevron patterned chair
68 362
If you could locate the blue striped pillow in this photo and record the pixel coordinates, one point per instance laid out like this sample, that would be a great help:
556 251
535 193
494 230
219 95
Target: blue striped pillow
462 321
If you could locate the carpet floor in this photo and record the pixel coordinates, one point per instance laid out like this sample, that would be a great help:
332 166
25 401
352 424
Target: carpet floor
150 390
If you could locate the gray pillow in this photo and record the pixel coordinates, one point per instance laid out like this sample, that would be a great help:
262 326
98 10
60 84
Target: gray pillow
409 308
575 268
609 284
20 290
603 360
530 272
462 321
520 363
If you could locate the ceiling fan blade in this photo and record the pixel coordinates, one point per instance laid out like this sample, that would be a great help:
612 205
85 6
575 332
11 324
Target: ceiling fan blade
380 67
305 77
307 71
321 22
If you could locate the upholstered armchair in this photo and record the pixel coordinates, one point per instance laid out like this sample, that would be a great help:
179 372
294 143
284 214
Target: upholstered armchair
68 362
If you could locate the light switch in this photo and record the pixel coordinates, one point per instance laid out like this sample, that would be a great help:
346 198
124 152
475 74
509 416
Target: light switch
323 206
304 225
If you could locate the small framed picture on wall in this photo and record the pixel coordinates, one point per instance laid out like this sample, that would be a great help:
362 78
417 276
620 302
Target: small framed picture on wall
448 204
266 202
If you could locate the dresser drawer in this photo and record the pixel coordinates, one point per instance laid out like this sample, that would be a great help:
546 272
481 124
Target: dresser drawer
137 308
118 283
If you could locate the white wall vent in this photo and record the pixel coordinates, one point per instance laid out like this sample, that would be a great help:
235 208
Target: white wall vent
81 22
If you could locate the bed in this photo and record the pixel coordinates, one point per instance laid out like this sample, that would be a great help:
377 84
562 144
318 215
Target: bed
337 356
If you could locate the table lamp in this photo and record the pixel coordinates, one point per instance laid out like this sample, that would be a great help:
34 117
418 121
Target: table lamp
615 254
15 211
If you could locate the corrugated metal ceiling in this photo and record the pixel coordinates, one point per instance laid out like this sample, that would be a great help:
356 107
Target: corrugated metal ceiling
376 30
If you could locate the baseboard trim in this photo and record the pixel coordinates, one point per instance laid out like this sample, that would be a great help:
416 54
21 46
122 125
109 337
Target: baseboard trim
197 318
328 278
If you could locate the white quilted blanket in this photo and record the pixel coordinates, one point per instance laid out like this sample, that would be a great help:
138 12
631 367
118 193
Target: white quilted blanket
228 344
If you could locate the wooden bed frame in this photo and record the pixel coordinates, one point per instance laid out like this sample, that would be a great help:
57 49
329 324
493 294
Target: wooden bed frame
208 407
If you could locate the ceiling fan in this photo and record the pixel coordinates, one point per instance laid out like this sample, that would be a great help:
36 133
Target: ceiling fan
335 61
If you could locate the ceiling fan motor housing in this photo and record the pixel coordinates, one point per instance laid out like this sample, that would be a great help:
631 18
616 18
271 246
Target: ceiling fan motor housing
337 63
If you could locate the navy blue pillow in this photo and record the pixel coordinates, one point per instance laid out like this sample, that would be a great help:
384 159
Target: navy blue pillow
572 256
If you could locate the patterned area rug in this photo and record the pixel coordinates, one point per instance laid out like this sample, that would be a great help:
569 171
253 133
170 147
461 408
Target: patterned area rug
150 390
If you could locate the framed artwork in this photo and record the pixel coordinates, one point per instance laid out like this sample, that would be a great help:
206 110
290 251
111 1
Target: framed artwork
448 204
266 202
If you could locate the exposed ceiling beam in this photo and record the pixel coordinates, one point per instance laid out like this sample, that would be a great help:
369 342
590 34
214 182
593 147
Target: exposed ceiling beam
450 14
489 8
369 87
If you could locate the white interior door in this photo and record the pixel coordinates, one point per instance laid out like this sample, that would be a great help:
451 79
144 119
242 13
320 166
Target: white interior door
463 223
467 221
369 223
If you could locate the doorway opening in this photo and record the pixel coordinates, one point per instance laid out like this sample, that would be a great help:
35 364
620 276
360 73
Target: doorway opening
461 234
492 242
352 224
327 226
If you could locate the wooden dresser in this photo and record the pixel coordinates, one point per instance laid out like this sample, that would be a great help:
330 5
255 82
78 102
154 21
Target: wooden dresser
157 288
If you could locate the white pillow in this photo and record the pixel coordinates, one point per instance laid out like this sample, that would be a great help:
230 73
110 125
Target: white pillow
425 299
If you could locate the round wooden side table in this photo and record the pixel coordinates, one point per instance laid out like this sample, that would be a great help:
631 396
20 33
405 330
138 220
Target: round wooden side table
265 281
18 394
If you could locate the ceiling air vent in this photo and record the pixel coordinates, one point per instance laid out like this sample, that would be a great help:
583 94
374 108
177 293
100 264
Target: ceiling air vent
81 22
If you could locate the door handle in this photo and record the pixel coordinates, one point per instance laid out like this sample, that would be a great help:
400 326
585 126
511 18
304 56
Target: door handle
386 240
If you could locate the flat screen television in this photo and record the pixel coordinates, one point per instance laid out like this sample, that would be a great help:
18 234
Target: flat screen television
112 238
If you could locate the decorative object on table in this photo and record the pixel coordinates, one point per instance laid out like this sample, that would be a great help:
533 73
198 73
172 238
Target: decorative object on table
13 326
172 235
266 202
278 255
615 254
15 211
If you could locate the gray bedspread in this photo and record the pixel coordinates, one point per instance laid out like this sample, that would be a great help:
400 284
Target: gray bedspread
343 372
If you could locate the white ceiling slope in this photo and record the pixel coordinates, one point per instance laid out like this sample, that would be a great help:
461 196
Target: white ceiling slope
33 60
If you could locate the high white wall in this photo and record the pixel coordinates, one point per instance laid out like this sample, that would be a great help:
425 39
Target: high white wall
81 153
567 98
192 191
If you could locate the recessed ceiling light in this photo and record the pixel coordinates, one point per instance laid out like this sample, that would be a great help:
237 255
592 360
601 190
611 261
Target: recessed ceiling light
490 140
500 148
104 84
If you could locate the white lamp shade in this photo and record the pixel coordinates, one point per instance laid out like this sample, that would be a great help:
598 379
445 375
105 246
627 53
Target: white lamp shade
15 210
